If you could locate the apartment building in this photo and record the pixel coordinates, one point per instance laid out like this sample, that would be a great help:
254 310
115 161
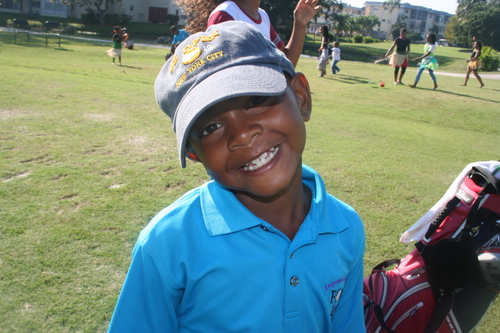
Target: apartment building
418 19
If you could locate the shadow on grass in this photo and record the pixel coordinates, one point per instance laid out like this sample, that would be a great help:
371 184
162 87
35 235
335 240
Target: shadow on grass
349 79
461 95
62 49
130 66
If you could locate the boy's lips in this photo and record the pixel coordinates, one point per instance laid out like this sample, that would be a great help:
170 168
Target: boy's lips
262 160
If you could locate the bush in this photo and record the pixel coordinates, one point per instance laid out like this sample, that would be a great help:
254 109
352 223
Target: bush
90 18
358 39
172 19
414 37
368 40
490 60
117 19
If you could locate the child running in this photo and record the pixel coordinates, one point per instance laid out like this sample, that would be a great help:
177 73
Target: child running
428 61
262 247
335 57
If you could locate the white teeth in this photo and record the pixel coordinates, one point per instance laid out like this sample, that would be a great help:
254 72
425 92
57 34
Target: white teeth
261 160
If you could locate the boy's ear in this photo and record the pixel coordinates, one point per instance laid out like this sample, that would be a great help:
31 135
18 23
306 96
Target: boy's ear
191 154
300 87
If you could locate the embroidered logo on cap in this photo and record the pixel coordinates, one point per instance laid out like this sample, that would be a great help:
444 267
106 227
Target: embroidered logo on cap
192 53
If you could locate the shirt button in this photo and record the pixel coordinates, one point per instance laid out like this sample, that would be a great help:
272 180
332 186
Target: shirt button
294 281
264 228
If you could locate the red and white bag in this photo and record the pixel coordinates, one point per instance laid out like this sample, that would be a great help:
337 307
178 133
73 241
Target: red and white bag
441 285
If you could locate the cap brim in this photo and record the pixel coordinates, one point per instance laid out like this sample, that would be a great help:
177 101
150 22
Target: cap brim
243 80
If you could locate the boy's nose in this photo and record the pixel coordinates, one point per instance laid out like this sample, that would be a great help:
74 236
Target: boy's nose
243 134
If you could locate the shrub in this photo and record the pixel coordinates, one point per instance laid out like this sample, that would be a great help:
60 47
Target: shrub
368 40
358 39
90 18
116 19
490 60
172 19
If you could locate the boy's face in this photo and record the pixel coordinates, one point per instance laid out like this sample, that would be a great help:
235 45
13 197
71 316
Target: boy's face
254 144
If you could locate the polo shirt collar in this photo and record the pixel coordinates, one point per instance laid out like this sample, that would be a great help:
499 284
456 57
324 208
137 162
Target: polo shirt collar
223 213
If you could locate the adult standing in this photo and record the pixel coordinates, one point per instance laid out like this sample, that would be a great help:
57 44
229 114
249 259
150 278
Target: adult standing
474 64
400 56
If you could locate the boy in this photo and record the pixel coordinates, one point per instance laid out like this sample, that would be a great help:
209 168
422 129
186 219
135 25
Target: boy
262 247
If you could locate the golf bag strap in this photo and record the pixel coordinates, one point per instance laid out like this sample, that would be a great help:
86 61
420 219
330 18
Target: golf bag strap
443 307
377 310
488 177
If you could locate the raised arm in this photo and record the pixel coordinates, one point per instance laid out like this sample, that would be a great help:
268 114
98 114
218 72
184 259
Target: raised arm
303 13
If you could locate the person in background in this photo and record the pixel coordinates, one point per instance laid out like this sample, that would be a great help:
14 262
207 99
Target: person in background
399 59
179 36
116 50
205 13
322 59
428 61
129 44
335 58
474 64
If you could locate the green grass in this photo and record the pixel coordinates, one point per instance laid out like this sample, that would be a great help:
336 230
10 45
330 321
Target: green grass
87 158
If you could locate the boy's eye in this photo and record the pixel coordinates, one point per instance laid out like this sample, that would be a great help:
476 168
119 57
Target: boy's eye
210 128
256 100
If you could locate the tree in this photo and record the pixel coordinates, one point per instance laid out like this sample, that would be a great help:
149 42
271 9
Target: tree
366 24
391 4
401 23
281 13
97 7
476 18
341 23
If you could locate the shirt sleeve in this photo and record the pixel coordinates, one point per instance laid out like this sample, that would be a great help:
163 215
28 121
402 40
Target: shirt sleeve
275 38
219 17
147 302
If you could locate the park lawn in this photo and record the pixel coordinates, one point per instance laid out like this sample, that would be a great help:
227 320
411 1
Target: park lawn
87 158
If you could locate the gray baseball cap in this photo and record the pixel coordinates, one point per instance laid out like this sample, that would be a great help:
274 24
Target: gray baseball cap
228 60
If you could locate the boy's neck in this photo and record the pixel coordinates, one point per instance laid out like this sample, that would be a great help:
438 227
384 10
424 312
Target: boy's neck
285 211
250 6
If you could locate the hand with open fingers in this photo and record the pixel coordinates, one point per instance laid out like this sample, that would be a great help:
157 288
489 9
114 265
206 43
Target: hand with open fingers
305 11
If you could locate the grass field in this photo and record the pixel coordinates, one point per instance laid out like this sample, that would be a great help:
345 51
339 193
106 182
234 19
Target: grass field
87 158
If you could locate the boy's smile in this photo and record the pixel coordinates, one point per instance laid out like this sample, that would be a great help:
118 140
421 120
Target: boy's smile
253 144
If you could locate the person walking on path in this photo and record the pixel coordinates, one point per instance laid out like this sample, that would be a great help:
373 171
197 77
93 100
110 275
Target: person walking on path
116 51
400 56
428 61
335 58
474 64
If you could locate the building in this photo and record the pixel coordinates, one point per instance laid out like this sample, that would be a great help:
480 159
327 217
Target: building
418 19
140 10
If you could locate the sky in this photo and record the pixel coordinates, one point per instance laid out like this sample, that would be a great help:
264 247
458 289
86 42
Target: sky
449 6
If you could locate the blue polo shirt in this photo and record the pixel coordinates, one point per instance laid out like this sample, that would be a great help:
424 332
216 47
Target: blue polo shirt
207 264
